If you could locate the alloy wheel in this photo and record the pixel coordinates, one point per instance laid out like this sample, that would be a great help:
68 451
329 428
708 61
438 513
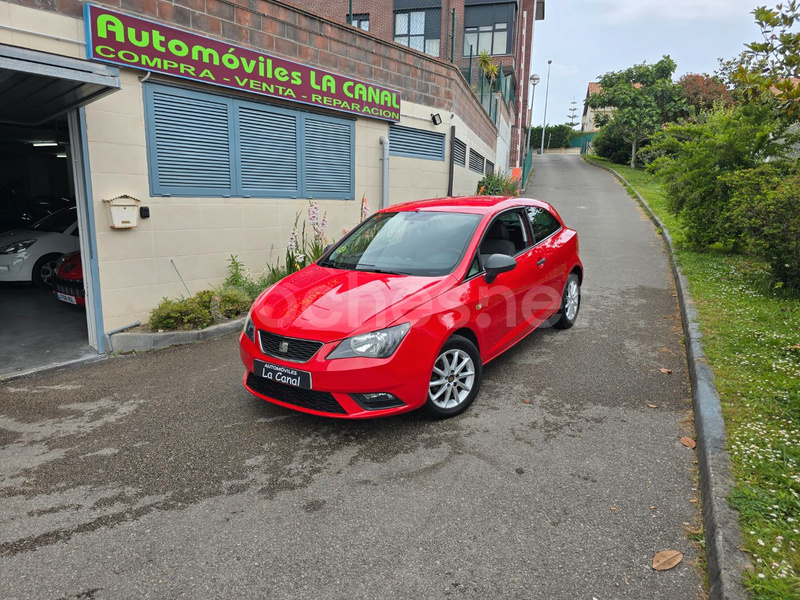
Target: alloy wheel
452 378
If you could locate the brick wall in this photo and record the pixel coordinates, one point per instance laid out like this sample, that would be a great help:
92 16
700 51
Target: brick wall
295 33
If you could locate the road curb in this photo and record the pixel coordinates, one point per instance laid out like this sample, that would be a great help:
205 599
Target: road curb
726 562
143 341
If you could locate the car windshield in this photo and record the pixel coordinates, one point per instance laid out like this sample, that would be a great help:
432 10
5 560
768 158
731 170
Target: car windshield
406 243
57 222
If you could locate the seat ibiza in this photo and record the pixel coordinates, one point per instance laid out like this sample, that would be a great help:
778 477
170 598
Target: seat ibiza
406 309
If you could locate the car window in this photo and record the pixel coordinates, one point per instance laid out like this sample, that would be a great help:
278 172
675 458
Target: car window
425 243
543 223
517 232
474 268
58 222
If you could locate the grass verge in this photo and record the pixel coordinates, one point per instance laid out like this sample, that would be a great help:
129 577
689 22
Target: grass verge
751 336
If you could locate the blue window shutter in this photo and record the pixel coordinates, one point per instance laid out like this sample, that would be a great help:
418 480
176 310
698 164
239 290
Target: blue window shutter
328 146
267 151
416 143
189 138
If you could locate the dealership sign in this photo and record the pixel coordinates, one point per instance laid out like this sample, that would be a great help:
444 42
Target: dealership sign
128 41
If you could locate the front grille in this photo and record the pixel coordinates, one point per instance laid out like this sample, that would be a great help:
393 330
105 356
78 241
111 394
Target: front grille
311 399
298 350
66 286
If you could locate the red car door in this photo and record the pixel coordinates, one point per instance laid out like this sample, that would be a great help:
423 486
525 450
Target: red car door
549 254
498 308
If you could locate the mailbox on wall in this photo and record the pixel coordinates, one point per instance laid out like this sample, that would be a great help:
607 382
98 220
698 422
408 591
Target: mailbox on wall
123 212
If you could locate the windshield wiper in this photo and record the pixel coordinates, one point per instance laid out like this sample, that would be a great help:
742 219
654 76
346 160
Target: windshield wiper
383 271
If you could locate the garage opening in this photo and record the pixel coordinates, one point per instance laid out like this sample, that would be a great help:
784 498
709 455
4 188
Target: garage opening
50 313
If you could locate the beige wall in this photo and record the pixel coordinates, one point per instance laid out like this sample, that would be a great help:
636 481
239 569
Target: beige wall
198 235
465 182
19 18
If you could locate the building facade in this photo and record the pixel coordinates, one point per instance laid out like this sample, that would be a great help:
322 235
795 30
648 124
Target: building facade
457 31
193 131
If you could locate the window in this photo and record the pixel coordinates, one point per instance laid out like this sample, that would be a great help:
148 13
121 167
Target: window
419 29
361 21
543 223
488 27
517 232
489 167
475 161
201 144
459 152
416 143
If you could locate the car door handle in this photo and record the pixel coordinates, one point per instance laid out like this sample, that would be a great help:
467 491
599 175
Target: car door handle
540 262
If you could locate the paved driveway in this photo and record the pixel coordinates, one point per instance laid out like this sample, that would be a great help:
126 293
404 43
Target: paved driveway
158 476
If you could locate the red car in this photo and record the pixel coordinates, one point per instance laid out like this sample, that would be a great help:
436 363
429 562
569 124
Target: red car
68 279
406 309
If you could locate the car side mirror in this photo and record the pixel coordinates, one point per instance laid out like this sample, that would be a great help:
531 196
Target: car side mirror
496 264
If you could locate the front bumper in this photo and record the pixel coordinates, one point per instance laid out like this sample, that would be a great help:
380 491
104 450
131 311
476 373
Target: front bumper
12 268
337 384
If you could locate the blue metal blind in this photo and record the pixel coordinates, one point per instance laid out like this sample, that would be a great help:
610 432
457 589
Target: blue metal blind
202 144
475 161
268 152
329 158
416 143
189 143
459 152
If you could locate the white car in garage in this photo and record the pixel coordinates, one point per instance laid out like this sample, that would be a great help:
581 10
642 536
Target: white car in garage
31 254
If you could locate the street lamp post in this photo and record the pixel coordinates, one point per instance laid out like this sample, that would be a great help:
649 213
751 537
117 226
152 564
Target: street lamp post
534 80
546 95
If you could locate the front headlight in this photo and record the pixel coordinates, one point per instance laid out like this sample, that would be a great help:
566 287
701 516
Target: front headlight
249 328
17 247
376 344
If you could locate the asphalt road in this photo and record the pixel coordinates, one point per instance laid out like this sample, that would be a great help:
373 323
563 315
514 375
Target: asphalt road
158 476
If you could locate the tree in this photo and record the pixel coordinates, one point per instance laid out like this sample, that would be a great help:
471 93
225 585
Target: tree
771 68
556 136
488 66
703 91
643 97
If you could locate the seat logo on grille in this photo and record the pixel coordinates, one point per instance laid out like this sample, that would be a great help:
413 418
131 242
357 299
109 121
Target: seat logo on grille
284 347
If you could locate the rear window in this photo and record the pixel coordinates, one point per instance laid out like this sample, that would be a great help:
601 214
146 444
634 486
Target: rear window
58 222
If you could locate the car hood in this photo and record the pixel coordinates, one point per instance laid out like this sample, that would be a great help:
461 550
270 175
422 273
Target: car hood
330 304
17 234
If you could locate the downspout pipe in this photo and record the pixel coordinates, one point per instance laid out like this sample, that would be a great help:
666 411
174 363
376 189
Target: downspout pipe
385 158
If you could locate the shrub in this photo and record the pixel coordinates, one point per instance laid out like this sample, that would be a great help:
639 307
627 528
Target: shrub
766 207
609 144
694 158
184 313
498 184
228 303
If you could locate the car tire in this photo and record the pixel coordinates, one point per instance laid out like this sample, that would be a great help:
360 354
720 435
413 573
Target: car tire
455 378
570 304
45 270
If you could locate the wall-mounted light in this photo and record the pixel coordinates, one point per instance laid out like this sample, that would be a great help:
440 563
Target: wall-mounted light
43 144
436 118
61 155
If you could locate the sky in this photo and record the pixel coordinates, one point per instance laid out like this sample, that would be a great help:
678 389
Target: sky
588 38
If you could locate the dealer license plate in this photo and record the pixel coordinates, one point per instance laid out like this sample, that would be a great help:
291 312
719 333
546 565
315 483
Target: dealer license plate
284 375
66 298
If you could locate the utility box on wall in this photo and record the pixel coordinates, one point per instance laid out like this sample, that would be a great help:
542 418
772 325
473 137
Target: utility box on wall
123 212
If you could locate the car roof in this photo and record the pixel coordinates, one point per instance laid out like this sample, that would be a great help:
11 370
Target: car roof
470 204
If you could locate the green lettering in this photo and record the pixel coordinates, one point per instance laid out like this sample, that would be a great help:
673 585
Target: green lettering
207 55
144 42
106 23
